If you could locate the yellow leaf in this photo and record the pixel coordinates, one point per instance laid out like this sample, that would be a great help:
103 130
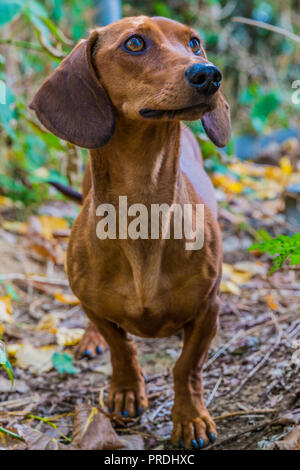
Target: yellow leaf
49 322
285 165
13 348
240 277
5 310
270 301
229 287
226 184
69 336
68 299
16 227
6 202
273 172
1 328
37 360
51 224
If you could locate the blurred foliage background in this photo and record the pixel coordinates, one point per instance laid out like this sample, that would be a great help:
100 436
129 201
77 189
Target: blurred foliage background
259 67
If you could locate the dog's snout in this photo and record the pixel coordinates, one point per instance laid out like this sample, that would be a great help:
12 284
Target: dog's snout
205 77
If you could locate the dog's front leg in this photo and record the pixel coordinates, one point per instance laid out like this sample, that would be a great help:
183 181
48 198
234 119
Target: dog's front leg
127 394
192 424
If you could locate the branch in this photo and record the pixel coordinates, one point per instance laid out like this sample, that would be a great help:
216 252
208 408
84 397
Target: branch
23 44
269 27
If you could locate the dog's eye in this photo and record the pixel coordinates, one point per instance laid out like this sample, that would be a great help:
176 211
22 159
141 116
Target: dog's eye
195 46
135 44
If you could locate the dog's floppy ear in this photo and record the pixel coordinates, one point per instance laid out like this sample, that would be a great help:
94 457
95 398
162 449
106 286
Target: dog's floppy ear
217 124
72 103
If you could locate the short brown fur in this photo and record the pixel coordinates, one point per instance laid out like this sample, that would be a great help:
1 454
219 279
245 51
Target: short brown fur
149 288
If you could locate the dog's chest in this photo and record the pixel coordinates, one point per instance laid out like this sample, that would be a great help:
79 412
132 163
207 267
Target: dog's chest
147 293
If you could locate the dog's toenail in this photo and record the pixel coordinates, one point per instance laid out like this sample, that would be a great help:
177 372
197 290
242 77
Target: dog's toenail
111 410
119 413
125 414
139 411
99 350
201 443
87 353
195 444
212 437
181 442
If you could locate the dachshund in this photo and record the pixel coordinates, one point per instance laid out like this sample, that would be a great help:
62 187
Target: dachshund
123 94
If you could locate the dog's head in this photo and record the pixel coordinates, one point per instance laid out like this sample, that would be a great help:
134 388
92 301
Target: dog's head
141 68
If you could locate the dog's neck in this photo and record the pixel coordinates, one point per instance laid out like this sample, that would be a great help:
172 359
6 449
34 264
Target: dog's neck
140 161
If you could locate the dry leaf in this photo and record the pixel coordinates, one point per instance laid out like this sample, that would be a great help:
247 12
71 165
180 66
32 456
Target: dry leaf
41 241
270 301
36 440
230 287
68 299
290 442
37 360
69 336
16 227
133 442
6 310
93 430
51 224
50 322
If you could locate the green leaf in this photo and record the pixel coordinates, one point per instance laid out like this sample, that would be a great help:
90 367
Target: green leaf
267 104
7 112
4 362
162 9
63 363
282 247
8 10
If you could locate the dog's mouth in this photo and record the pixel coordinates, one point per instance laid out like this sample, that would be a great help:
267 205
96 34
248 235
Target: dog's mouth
171 113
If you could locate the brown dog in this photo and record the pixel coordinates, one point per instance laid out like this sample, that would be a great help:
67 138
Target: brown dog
123 93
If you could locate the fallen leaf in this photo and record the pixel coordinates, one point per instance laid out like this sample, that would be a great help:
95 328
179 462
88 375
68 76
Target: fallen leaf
51 224
37 360
36 440
285 165
41 241
49 322
290 442
230 287
270 301
68 299
132 442
6 310
16 227
19 386
93 430
63 363
69 336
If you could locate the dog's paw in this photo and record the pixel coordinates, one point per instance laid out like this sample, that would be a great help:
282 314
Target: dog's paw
128 403
194 434
91 344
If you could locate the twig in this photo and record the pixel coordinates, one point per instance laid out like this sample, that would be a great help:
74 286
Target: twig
214 391
54 53
23 44
40 279
243 413
269 27
256 427
259 365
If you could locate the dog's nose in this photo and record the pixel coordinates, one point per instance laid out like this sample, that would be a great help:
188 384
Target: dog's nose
205 77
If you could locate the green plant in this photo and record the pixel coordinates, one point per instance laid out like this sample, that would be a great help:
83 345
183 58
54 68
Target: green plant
282 248
4 362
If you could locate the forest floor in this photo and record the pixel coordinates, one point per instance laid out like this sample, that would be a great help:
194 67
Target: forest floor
251 377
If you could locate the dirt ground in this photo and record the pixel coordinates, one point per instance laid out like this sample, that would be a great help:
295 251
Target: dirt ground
251 378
